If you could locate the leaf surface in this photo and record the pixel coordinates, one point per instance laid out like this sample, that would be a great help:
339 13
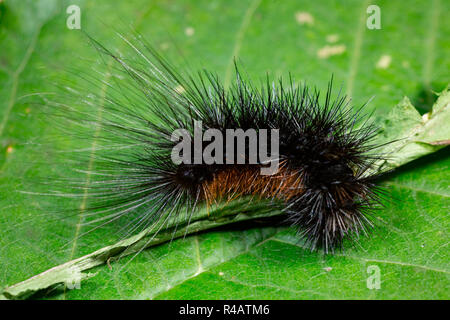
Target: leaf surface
407 57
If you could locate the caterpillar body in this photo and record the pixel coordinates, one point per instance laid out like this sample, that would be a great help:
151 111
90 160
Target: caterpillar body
325 152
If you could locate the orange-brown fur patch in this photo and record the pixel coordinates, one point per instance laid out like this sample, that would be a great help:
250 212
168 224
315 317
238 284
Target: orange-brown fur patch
247 180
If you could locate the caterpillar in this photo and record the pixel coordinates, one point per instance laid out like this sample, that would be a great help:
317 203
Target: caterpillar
323 183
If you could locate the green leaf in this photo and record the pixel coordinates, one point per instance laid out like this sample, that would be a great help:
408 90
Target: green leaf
409 244
414 135
73 271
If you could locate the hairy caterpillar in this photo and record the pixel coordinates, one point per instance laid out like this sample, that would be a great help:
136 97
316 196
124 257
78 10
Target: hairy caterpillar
325 152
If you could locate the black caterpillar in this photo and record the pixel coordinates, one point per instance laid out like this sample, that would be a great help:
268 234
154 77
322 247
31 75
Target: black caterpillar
326 152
